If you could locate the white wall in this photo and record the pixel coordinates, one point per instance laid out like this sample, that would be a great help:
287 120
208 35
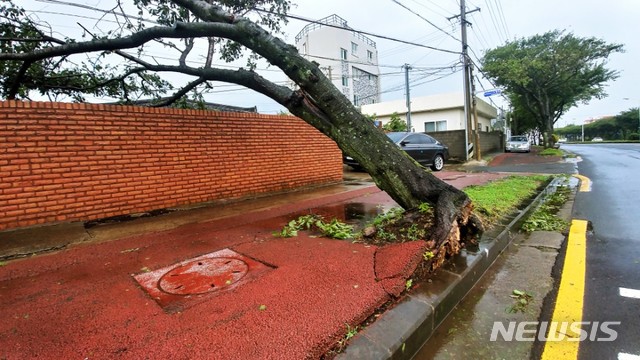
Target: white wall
449 107
323 45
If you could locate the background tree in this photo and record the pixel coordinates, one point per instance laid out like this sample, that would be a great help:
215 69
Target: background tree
522 120
623 126
546 75
628 122
395 124
226 26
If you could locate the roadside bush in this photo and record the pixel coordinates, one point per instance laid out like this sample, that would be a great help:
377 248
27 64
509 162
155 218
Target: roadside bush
550 152
633 136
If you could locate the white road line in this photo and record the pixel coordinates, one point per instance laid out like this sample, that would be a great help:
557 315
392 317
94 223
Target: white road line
630 293
623 356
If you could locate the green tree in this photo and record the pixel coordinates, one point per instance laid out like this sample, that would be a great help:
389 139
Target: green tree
628 122
395 123
546 75
226 27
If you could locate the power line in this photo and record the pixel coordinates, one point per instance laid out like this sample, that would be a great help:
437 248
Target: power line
425 19
494 21
502 18
430 9
93 8
412 84
301 18
351 61
435 36
479 34
438 5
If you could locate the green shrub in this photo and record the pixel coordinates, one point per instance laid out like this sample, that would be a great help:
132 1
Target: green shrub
633 136
550 152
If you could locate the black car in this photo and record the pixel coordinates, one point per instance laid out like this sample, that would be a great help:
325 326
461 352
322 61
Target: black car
423 148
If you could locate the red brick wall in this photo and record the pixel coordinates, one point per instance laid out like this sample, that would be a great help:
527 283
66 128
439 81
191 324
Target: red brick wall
68 162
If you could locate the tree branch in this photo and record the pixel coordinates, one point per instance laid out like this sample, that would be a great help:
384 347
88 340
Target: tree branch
180 30
182 92
246 78
185 52
15 85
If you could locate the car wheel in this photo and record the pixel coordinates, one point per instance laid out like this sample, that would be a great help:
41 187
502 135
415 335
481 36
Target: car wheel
438 163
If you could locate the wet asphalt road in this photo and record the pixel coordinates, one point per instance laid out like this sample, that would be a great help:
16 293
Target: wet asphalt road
613 247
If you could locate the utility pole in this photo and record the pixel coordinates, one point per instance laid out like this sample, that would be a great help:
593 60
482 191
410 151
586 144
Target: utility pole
465 60
406 84
476 128
466 75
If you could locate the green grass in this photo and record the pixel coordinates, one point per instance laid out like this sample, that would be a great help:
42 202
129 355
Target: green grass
544 218
501 197
551 152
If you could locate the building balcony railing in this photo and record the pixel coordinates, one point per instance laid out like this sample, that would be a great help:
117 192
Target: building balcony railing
334 21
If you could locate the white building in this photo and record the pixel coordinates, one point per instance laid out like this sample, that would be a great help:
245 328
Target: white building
433 113
348 58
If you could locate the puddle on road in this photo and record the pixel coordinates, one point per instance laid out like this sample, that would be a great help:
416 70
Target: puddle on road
356 214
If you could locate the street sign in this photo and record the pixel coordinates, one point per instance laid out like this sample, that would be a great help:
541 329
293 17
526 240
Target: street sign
492 92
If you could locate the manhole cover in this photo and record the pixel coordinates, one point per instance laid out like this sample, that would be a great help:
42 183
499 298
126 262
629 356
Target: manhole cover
202 276
192 281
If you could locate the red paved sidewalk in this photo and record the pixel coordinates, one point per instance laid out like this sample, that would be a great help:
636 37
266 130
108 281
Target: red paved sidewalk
84 302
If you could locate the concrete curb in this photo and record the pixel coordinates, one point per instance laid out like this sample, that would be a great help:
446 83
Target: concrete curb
401 331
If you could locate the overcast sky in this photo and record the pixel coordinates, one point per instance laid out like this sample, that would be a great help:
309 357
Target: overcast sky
615 21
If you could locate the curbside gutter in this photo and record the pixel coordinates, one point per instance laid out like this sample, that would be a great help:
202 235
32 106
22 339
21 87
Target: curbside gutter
402 330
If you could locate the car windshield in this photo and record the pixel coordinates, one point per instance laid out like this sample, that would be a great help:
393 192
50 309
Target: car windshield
396 136
518 138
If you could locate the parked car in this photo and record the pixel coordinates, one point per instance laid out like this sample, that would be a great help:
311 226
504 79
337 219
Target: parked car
597 139
518 144
423 148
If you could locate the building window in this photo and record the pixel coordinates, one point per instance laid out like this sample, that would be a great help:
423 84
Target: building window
304 47
370 55
354 49
356 100
343 54
434 126
345 81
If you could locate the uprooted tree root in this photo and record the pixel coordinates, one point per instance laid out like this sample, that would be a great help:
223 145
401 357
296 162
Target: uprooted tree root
445 232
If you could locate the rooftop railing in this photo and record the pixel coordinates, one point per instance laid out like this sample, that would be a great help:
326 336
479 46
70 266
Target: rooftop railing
334 21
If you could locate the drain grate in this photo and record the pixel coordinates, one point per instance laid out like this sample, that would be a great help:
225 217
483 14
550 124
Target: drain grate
192 281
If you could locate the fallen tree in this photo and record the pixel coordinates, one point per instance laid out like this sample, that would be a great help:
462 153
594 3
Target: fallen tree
316 100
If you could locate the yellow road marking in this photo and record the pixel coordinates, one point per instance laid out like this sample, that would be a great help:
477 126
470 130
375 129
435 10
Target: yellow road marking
585 183
569 302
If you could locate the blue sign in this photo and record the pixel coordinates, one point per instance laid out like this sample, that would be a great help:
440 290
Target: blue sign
492 92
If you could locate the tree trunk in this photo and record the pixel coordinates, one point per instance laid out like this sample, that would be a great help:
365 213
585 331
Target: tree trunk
322 105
